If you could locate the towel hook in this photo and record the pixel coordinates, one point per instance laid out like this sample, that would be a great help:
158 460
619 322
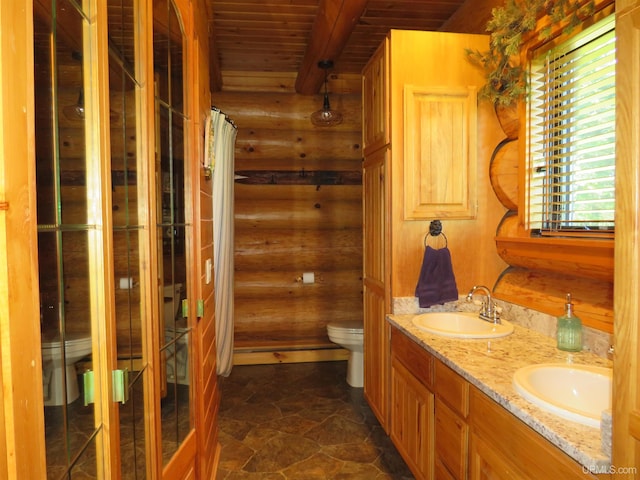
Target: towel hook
435 230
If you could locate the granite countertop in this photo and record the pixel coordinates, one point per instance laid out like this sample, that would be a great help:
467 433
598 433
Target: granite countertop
490 365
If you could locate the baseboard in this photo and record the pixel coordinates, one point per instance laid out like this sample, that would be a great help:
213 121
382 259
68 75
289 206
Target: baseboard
265 357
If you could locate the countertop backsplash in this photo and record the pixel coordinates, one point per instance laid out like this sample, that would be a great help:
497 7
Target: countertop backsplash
595 341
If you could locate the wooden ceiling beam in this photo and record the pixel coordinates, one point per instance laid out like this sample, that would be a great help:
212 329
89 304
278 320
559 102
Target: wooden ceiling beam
331 30
471 17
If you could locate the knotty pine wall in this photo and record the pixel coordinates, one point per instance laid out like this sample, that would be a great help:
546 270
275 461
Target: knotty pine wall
298 210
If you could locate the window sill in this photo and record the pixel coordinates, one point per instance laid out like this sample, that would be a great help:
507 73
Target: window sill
569 256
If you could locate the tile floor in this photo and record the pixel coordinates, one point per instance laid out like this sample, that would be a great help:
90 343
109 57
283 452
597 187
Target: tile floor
71 444
301 422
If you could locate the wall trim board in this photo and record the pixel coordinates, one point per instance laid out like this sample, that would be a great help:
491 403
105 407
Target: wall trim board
301 177
266 357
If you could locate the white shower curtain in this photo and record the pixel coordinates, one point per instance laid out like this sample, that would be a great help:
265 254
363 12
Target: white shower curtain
221 143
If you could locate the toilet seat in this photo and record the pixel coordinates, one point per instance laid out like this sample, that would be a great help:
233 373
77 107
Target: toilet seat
349 332
346 327
73 341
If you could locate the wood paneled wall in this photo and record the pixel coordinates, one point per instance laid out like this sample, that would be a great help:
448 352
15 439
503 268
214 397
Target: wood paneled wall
207 391
470 240
298 208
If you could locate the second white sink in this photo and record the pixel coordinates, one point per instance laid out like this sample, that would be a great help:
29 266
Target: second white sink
576 392
461 325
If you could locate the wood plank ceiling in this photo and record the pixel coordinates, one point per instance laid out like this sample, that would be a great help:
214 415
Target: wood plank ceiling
294 35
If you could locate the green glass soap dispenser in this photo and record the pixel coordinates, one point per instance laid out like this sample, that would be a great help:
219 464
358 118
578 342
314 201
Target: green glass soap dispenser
569 333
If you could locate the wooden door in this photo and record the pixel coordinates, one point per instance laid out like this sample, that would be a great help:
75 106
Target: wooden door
73 184
375 101
175 240
376 329
21 412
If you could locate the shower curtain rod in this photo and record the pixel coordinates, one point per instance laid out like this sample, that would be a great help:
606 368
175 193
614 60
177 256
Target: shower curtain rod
226 117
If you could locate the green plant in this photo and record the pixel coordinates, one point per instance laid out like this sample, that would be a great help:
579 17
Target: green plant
506 78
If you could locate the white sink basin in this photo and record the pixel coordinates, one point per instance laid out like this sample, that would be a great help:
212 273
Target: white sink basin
576 392
461 325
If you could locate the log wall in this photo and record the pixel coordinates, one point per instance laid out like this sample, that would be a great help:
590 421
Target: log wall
543 270
298 208
528 281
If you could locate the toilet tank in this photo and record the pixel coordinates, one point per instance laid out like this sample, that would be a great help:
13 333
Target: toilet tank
171 295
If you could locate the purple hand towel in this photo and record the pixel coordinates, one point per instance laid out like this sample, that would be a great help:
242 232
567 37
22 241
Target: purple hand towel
436 283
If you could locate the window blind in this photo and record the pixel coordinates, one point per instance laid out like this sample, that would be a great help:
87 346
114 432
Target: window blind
571 170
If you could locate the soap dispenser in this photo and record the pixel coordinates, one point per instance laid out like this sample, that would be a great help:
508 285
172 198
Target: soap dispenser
569 333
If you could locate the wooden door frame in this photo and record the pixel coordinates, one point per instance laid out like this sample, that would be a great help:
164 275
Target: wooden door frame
626 371
21 398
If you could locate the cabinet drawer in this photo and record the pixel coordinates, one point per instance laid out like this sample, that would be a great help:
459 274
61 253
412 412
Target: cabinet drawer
451 442
415 358
452 389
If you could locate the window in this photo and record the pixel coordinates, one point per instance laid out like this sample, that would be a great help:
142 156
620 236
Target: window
571 135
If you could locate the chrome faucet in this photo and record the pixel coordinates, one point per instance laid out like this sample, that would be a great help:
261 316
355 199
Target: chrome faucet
488 311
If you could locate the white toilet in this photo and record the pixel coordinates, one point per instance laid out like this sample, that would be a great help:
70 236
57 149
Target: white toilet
349 335
76 347
178 353
171 295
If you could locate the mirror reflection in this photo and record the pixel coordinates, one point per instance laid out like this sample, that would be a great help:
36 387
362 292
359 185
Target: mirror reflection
170 166
128 177
65 260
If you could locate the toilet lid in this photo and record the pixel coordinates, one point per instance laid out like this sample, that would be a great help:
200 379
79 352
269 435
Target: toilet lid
350 326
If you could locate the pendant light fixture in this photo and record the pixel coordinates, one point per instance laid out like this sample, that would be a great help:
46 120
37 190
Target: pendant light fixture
326 117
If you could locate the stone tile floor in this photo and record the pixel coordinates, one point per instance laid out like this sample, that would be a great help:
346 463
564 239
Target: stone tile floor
301 421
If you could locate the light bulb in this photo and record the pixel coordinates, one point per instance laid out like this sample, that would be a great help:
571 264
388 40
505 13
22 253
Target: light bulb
326 117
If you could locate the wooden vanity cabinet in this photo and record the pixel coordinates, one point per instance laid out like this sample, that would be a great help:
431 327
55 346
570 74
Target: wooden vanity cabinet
412 404
503 447
451 429
429 407
446 428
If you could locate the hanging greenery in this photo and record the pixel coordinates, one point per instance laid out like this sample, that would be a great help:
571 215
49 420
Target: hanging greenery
506 78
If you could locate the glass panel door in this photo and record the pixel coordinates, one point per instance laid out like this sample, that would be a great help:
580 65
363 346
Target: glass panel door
172 228
129 179
85 355
67 240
